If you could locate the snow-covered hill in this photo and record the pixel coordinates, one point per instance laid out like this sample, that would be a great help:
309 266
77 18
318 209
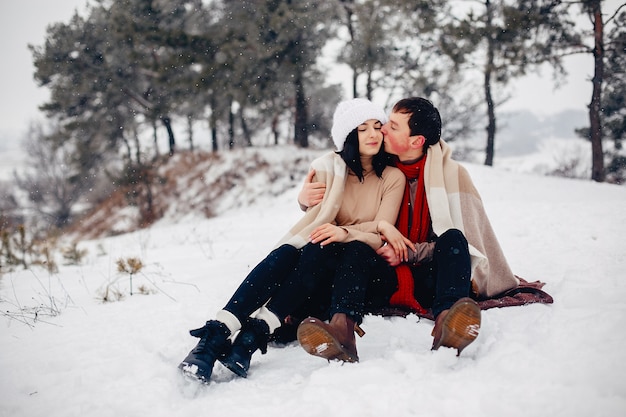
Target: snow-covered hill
119 358
200 184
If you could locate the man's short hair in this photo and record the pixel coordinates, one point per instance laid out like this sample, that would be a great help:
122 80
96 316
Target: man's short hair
425 119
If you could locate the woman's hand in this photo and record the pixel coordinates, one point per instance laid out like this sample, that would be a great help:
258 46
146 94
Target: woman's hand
327 233
312 193
395 239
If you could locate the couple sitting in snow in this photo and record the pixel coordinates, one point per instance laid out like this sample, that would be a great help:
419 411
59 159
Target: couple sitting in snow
397 225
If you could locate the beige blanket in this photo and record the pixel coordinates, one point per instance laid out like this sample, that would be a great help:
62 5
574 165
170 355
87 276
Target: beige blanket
454 203
333 171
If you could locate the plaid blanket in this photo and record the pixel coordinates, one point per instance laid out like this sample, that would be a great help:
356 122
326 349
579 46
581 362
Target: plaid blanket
333 171
455 203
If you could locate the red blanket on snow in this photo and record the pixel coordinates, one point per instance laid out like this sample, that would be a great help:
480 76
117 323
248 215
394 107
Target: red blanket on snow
525 293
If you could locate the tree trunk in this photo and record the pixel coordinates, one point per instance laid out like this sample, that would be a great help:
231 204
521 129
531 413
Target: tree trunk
129 152
190 131
595 124
244 128
137 146
275 128
147 208
213 138
491 124
369 68
368 85
154 137
355 73
231 128
213 124
491 113
170 134
301 134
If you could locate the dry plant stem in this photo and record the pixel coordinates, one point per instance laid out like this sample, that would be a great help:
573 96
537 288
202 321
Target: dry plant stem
157 287
31 315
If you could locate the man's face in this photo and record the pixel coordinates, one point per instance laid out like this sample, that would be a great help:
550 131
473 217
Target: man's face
397 134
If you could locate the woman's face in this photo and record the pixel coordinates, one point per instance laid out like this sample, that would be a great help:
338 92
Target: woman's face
370 137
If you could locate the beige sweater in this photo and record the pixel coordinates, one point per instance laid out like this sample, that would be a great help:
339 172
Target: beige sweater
355 206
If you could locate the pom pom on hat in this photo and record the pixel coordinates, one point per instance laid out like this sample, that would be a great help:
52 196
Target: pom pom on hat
350 114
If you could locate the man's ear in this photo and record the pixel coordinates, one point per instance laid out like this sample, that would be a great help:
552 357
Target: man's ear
418 141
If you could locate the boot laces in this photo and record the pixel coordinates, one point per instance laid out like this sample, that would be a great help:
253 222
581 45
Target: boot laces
204 333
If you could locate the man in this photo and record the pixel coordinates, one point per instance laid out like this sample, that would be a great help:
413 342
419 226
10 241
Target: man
435 267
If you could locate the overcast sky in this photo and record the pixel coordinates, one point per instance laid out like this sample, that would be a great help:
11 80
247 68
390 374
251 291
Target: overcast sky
25 21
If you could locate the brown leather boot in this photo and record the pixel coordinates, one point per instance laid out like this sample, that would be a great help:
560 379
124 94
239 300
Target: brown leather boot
334 340
458 326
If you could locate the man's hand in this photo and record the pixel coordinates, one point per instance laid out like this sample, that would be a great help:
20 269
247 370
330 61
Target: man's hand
327 233
389 255
396 241
311 193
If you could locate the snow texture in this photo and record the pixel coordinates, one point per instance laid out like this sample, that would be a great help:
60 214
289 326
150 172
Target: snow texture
119 358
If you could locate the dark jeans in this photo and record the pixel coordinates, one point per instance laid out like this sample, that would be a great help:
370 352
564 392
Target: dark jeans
311 281
264 281
438 284
349 278
333 279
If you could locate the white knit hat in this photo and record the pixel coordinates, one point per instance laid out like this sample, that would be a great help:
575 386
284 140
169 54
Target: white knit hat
350 114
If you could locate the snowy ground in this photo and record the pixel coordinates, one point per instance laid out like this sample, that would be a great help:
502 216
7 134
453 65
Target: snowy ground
119 358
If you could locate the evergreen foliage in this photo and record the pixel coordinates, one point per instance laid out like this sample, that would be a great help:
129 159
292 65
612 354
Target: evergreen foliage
250 70
505 39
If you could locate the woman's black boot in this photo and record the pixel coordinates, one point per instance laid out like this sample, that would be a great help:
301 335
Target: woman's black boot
213 343
254 334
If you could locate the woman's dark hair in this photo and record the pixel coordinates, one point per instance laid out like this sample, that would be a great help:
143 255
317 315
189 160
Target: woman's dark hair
351 156
424 120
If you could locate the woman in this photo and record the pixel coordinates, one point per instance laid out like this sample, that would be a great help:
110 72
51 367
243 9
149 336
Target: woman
361 191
